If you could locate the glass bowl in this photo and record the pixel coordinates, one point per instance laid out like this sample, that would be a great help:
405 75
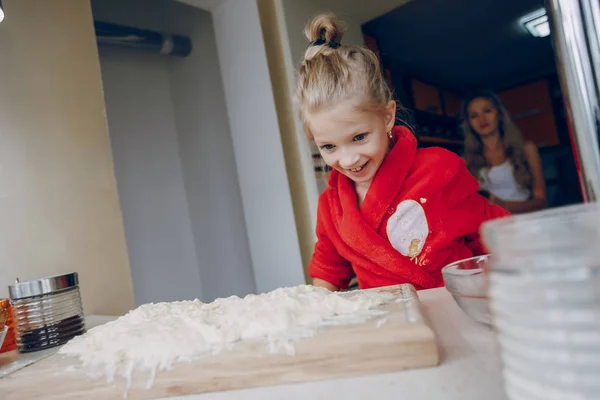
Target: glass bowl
466 281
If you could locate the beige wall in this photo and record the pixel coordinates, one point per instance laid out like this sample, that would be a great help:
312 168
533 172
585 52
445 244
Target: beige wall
257 143
294 143
59 210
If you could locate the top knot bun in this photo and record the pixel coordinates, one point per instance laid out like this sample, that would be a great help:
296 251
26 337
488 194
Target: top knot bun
325 27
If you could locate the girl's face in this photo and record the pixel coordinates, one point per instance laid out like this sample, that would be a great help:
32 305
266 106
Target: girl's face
351 141
483 117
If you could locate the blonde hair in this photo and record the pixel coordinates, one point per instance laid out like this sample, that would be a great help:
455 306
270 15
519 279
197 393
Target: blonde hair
514 144
332 72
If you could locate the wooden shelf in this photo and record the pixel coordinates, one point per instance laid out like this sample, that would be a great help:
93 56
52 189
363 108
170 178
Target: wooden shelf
431 139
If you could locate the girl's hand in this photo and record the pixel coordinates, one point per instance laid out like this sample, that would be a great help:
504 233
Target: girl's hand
321 283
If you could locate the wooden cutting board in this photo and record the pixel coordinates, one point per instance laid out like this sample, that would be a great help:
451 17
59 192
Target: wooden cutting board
404 341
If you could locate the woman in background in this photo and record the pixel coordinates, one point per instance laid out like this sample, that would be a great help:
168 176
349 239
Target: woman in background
508 168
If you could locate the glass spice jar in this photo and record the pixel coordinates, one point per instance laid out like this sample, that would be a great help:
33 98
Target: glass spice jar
48 312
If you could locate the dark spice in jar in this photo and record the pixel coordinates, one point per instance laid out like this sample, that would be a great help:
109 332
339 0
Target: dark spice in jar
51 335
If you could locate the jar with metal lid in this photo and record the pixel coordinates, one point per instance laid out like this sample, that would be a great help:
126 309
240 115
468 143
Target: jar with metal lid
48 311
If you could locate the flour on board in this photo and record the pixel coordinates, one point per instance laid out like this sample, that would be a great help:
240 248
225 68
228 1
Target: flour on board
155 336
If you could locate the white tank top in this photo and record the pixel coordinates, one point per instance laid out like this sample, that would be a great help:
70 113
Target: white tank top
500 181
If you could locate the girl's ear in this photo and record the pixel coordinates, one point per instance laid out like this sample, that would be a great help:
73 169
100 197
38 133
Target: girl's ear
390 115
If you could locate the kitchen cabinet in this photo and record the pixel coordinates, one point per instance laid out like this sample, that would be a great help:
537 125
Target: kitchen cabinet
530 107
426 97
435 100
452 103
371 43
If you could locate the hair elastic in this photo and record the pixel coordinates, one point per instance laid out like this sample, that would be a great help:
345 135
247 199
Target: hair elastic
321 40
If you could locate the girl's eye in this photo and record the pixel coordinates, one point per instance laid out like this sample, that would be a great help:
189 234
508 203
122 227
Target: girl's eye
360 137
327 147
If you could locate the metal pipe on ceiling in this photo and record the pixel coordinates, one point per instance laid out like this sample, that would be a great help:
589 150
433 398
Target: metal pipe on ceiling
108 34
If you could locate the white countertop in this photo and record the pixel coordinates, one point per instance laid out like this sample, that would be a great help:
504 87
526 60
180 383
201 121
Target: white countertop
469 369
29 358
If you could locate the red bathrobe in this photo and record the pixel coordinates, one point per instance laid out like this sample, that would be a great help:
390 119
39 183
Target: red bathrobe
421 212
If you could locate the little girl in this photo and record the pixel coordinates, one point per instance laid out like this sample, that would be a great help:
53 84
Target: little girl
391 213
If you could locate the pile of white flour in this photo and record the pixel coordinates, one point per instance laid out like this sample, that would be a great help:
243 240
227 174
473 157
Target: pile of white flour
155 336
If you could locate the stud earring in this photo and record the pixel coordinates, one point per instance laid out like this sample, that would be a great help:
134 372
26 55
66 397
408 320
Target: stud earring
390 135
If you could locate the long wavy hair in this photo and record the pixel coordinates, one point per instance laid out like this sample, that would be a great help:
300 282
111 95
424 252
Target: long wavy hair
512 139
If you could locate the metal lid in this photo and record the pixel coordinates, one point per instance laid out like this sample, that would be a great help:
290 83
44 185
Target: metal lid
42 286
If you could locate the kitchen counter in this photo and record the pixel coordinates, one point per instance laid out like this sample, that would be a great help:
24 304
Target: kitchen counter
29 358
469 369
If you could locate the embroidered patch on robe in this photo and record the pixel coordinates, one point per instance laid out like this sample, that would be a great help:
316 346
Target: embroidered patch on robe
407 228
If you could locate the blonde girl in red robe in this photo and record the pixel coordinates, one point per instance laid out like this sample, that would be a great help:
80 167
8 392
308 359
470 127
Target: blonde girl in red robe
392 213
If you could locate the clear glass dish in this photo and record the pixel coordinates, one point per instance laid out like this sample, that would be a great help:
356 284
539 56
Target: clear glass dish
466 281
544 296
